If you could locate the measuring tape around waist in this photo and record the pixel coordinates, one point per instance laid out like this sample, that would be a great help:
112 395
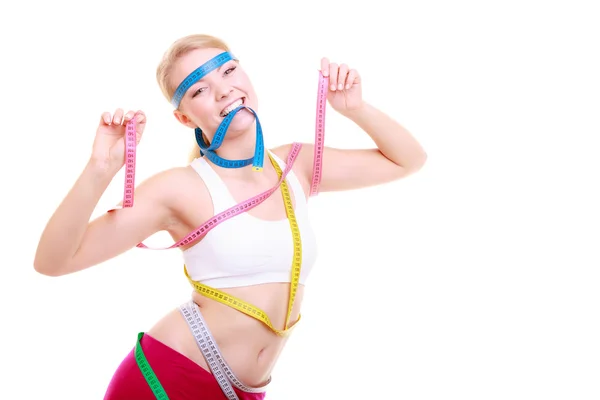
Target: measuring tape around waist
236 303
212 354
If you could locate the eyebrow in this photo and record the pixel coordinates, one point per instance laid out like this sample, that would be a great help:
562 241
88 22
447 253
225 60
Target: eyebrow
200 80
222 65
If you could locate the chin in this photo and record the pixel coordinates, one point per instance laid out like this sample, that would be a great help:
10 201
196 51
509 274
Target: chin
242 121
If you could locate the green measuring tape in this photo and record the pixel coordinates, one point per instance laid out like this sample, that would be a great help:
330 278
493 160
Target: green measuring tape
147 371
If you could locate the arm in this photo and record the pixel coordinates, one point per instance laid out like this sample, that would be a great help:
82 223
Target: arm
71 243
397 155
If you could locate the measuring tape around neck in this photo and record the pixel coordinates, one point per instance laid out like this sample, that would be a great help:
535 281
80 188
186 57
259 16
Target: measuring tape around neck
209 151
240 305
202 230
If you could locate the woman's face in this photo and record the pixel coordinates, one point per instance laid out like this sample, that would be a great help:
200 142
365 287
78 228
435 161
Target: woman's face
207 102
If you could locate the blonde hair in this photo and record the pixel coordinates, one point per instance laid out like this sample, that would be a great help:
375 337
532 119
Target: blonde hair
179 48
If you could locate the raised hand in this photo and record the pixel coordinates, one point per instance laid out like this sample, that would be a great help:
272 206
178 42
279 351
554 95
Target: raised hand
345 92
109 145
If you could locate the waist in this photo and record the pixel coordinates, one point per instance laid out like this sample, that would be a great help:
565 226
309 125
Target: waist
250 348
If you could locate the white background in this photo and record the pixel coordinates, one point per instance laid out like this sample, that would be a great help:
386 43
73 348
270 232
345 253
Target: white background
476 278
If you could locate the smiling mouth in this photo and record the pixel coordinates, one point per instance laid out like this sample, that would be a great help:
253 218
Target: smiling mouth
232 106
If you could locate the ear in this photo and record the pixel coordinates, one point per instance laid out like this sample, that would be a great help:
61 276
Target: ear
184 119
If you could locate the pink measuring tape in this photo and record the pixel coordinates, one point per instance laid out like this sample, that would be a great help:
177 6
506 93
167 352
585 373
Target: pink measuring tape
130 156
319 134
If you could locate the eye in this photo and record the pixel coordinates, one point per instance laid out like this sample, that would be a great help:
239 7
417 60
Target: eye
198 92
230 70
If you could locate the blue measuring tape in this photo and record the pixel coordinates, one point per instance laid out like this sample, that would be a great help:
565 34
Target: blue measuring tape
209 151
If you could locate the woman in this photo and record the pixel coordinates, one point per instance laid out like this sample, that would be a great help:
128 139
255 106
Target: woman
210 348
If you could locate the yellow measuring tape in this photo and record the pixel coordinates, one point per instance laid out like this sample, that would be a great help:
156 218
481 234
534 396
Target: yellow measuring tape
247 308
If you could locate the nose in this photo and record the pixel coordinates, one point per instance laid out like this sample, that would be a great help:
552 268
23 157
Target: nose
223 91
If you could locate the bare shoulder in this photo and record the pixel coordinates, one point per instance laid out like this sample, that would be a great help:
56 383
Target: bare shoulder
174 186
163 184
304 161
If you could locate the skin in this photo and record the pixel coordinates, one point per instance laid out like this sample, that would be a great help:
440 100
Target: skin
177 201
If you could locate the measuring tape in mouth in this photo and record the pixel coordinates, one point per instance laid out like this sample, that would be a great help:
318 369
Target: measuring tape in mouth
209 151
256 161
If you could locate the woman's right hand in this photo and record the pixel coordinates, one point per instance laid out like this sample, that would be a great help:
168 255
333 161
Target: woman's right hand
109 145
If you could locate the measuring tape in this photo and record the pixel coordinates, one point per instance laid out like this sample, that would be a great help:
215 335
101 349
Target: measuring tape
196 316
209 151
201 231
319 134
146 369
219 370
201 338
208 345
130 147
212 354
231 212
247 308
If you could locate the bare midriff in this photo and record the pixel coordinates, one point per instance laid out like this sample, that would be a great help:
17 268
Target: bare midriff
249 347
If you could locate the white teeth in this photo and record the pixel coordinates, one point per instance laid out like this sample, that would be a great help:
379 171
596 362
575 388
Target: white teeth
232 107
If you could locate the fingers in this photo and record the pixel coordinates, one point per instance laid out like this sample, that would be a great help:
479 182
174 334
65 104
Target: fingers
121 118
105 118
331 71
325 66
352 79
340 77
128 116
140 117
118 117
333 76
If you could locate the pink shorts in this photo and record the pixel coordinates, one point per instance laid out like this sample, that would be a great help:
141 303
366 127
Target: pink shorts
181 378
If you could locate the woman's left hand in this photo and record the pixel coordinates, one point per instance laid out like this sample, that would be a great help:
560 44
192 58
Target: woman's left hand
344 94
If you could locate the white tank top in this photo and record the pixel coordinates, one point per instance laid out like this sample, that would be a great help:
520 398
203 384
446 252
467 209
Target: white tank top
245 250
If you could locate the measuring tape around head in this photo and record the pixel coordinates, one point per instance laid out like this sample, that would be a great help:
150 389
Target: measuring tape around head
240 305
209 150
199 232
202 230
